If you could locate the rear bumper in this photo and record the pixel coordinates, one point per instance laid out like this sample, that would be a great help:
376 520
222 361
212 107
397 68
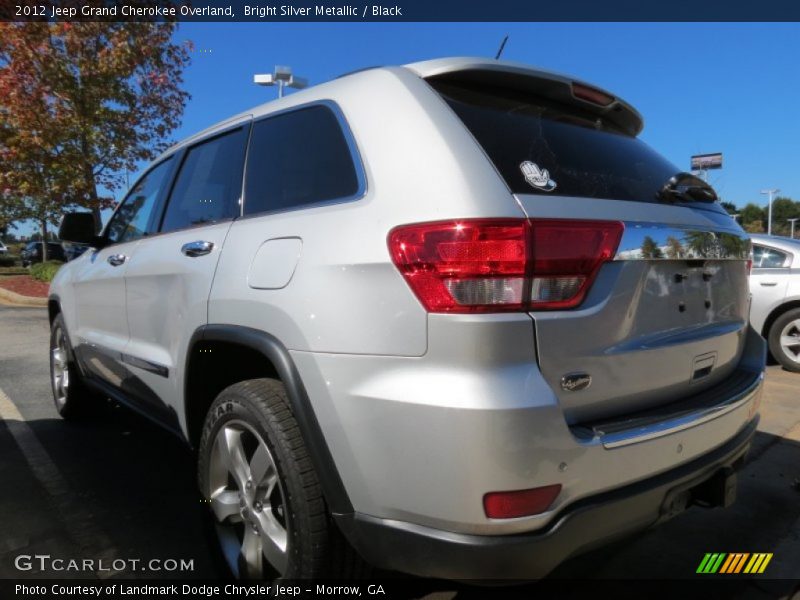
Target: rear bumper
590 522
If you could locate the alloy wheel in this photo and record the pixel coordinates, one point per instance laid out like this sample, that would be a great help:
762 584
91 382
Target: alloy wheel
59 369
790 340
248 503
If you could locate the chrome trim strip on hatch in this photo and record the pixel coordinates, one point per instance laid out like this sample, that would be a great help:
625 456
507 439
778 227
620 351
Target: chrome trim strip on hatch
634 435
657 241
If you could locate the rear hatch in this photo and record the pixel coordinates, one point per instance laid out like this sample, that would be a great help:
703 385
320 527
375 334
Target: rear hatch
665 317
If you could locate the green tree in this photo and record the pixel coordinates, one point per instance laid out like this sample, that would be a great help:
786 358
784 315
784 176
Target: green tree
650 249
730 207
753 218
784 209
674 248
80 104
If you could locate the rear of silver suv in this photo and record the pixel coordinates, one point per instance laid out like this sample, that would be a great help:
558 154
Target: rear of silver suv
516 333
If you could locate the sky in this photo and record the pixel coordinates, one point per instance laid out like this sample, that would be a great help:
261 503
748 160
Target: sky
701 87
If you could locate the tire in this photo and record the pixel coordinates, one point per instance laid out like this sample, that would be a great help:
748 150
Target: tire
265 500
784 340
71 396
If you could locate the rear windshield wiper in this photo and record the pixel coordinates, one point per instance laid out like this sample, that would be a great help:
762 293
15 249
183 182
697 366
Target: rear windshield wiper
685 187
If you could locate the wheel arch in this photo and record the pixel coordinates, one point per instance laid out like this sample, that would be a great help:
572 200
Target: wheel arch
265 356
53 308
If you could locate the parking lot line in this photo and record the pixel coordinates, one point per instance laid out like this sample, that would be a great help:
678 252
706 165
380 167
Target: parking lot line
79 524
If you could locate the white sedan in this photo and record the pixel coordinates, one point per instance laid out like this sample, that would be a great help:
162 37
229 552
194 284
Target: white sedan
775 285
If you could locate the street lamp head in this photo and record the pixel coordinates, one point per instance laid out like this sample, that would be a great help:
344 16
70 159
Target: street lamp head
282 77
265 79
283 73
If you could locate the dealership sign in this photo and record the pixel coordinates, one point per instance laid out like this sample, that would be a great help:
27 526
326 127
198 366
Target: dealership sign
703 162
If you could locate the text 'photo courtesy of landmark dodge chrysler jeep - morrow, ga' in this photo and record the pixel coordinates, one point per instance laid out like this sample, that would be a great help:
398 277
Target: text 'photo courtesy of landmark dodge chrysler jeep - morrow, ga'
451 319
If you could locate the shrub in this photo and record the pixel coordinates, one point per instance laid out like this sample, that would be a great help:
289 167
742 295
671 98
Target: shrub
7 260
45 271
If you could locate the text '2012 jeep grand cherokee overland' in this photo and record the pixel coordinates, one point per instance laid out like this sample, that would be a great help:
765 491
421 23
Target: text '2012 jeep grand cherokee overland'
453 318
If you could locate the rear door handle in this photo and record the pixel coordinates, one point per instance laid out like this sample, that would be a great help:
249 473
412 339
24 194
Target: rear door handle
769 283
198 248
116 260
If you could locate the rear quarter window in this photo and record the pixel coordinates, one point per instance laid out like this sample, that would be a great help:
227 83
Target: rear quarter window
768 258
297 159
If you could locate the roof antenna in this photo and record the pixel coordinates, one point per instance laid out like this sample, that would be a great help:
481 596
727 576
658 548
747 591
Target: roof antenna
502 47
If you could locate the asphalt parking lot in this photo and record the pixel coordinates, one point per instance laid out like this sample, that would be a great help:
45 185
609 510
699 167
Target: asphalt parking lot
117 486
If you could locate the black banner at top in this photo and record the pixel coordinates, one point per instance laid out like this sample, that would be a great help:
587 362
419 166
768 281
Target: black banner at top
399 10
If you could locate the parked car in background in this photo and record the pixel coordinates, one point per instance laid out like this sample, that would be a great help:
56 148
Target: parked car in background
775 285
32 253
73 251
3 248
472 339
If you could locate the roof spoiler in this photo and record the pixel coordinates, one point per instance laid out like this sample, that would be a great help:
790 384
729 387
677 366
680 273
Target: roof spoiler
546 84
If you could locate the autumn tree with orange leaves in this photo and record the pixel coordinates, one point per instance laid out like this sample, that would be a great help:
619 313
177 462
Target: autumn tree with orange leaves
81 103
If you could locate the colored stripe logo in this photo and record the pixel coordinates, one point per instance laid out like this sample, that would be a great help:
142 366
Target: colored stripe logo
734 562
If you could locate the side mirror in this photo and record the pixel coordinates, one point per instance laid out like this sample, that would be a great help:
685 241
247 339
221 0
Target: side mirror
79 228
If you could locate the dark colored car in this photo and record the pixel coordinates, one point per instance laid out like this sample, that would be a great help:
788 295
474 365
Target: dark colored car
73 251
33 253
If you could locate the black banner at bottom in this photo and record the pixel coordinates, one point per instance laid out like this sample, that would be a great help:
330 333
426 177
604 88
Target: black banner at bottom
707 588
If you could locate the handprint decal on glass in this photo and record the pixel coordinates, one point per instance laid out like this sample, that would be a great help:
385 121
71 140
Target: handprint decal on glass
538 178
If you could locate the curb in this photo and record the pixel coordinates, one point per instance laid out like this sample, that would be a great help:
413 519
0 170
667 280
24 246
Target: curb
19 299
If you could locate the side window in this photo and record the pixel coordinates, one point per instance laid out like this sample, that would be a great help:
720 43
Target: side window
209 183
298 158
768 258
130 221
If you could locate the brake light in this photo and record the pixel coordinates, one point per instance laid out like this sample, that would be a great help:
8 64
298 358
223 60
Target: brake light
590 94
520 503
494 265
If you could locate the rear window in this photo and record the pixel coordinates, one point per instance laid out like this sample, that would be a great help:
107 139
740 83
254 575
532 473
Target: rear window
543 148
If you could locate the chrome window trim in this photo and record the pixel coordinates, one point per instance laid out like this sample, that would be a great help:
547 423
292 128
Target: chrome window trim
352 146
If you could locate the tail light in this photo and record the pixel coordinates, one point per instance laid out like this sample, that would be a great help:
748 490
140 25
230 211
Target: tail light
496 265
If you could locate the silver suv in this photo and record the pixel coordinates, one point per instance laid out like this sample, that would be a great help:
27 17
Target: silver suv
452 318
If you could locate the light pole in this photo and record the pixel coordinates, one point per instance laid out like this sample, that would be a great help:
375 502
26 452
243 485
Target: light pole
792 222
771 194
282 77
